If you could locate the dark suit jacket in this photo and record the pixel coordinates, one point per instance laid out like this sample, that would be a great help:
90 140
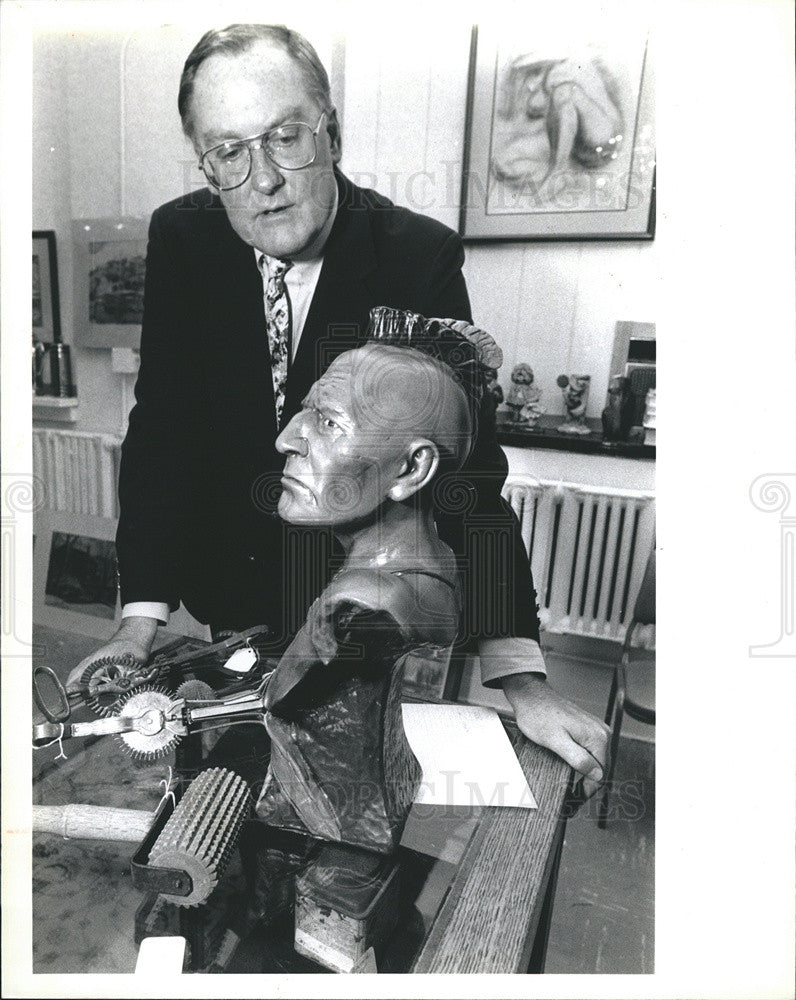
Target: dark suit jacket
200 475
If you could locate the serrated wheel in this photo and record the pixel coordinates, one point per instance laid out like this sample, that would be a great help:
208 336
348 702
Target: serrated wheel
107 680
156 734
194 690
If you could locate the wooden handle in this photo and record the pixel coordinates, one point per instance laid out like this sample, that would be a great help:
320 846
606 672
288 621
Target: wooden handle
93 822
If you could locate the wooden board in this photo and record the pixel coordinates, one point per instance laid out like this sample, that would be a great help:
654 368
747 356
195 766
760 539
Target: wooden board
490 916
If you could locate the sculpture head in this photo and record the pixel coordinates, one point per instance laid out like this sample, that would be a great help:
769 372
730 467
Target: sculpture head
378 426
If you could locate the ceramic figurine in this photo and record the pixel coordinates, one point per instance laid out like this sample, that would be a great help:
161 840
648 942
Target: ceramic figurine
576 396
524 398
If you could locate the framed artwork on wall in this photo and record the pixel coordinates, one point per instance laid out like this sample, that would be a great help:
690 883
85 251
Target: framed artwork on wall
560 138
74 573
46 307
110 260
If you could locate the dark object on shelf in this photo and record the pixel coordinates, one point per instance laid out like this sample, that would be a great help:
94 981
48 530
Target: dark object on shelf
641 378
617 417
54 371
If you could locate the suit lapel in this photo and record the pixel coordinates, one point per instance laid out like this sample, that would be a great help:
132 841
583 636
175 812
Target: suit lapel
342 301
239 354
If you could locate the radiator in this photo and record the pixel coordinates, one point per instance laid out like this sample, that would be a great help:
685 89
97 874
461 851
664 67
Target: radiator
79 471
588 548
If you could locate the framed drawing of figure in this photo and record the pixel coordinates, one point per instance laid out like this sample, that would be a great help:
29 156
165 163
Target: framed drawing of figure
559 138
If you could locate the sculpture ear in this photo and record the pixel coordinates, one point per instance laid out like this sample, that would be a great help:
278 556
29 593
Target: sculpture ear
418 468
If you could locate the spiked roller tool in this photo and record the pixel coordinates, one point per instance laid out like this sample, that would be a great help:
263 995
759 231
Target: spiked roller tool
192 849
106 681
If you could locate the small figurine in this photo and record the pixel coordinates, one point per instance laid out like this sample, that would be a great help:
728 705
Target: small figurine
524 398
617 416
576 396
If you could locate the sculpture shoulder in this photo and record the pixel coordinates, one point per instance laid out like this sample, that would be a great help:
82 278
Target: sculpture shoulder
423 605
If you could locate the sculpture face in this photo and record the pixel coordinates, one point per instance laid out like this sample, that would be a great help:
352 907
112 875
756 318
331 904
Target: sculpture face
360 426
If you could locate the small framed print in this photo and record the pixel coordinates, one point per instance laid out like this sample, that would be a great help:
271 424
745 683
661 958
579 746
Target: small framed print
559 140
110 263
46 307
74 574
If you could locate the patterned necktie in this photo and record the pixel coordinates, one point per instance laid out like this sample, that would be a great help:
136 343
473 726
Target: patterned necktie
278 323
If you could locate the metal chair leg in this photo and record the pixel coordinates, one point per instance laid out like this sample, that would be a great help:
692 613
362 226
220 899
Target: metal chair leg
609 712
618 706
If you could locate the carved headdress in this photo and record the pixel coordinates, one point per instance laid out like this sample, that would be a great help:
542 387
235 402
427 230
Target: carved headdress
465 352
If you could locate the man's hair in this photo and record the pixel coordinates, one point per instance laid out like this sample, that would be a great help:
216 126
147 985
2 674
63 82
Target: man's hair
238 38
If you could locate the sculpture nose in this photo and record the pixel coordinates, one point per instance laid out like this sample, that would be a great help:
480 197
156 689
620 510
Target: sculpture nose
292 441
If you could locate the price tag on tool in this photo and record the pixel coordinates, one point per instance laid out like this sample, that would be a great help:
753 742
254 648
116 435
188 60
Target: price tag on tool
242 660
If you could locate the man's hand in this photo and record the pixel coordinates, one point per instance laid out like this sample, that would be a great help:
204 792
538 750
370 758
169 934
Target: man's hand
134 637
553 722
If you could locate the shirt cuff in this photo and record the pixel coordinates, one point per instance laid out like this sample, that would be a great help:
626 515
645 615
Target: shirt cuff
147 609
513 655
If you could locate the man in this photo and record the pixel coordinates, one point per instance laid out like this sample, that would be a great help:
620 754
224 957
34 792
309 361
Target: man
252 287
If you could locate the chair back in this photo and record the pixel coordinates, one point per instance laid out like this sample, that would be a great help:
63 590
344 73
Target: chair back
644 610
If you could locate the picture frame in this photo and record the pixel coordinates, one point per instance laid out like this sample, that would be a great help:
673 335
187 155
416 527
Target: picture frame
559 137
45 296
110 258
74 573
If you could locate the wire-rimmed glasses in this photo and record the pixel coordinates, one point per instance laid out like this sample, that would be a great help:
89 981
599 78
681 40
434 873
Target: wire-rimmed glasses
291 146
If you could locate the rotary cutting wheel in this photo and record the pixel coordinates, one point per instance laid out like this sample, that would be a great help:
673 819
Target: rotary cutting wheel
162 734
107 680
194 690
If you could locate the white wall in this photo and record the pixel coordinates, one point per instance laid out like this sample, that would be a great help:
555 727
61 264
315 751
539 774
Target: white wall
107 142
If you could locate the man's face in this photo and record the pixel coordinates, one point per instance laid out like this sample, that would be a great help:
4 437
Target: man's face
280 212
342 452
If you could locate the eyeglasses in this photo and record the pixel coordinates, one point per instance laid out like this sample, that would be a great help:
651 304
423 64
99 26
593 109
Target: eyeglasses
290 146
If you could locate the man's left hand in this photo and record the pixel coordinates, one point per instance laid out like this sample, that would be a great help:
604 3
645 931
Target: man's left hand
553 722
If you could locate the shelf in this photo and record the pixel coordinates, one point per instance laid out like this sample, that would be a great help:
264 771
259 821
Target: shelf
62 408
545 435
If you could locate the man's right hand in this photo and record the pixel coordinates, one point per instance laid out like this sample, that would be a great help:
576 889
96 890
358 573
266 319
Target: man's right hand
134 637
